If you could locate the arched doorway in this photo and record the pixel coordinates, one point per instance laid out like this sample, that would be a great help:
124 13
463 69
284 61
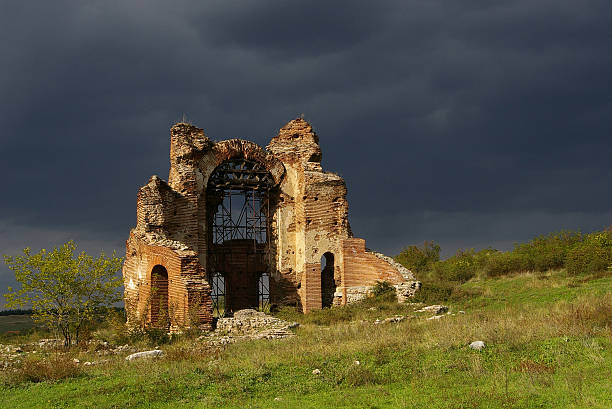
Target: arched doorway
328 285
239 206
159 297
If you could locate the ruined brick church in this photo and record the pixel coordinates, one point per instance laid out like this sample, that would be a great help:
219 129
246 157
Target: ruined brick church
238 226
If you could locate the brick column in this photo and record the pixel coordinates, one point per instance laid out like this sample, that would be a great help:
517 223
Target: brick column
311 285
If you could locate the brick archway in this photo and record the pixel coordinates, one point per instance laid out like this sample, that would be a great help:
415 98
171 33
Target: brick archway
159 297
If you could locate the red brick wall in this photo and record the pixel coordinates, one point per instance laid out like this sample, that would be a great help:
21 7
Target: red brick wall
241 262
361 268
311 287
180 268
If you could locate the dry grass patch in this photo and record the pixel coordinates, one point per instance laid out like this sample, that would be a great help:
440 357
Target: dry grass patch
51 369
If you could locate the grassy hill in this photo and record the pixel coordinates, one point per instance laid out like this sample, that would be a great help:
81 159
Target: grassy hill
548 343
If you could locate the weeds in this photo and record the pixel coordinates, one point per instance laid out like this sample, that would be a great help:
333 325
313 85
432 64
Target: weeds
54 368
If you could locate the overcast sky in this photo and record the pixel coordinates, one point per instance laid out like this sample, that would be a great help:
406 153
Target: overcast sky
467 122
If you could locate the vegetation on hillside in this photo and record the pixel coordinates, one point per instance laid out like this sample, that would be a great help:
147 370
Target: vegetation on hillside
548 337
576 252
548 344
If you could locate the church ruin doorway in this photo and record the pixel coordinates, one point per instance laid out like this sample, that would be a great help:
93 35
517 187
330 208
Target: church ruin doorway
238 199
159 297
328 284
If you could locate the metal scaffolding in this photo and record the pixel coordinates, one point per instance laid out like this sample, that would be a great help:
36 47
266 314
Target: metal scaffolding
239 208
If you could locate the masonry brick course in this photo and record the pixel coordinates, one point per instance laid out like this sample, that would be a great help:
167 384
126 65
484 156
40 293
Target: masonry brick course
308 217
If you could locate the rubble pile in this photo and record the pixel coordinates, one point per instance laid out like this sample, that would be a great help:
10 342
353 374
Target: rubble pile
248 324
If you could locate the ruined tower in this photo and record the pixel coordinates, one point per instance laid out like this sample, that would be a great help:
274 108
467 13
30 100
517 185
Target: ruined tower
237 226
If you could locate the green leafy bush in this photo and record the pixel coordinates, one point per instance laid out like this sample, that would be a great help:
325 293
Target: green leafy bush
503 263
546 252
592 255
543 253
384 290
464 265
419 259
579 253
434 291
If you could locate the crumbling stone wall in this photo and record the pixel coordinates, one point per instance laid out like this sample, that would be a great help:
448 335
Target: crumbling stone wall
308 217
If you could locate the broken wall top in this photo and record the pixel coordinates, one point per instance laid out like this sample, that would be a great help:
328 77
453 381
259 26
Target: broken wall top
296 143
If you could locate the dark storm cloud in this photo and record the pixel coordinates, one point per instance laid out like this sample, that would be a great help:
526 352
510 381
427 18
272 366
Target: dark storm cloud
471 123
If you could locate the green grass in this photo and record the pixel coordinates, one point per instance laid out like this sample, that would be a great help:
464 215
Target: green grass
15 323
548 336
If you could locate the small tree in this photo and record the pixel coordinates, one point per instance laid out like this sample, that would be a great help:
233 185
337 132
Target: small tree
65 291
418 259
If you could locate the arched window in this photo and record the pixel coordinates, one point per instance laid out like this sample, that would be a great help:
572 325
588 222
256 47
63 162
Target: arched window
218 291
263 291
159 297
328 285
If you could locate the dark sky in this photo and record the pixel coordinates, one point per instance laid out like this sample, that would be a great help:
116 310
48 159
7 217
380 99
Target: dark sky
472 123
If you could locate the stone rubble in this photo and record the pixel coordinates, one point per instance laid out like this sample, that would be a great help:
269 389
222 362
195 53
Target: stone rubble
50 343
396 318
248 324
406 290
435 309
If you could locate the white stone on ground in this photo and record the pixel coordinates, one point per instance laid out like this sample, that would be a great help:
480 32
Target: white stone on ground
477 345
436 309
145 354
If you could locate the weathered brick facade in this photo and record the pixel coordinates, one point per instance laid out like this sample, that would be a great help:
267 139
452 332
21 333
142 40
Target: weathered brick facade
292 214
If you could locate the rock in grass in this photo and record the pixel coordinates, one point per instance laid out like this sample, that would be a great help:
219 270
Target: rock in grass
145 354
316 372
477 345
436 309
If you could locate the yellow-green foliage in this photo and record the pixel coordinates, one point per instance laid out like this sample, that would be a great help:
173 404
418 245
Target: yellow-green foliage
419 259
592 254
579 253
65 291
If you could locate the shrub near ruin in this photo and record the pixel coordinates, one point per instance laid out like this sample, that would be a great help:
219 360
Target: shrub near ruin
384 291
418 259
546 252
591 255
464 265
51 369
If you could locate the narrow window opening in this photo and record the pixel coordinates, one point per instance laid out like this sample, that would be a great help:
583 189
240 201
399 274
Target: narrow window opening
263 292
328 285
218 294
